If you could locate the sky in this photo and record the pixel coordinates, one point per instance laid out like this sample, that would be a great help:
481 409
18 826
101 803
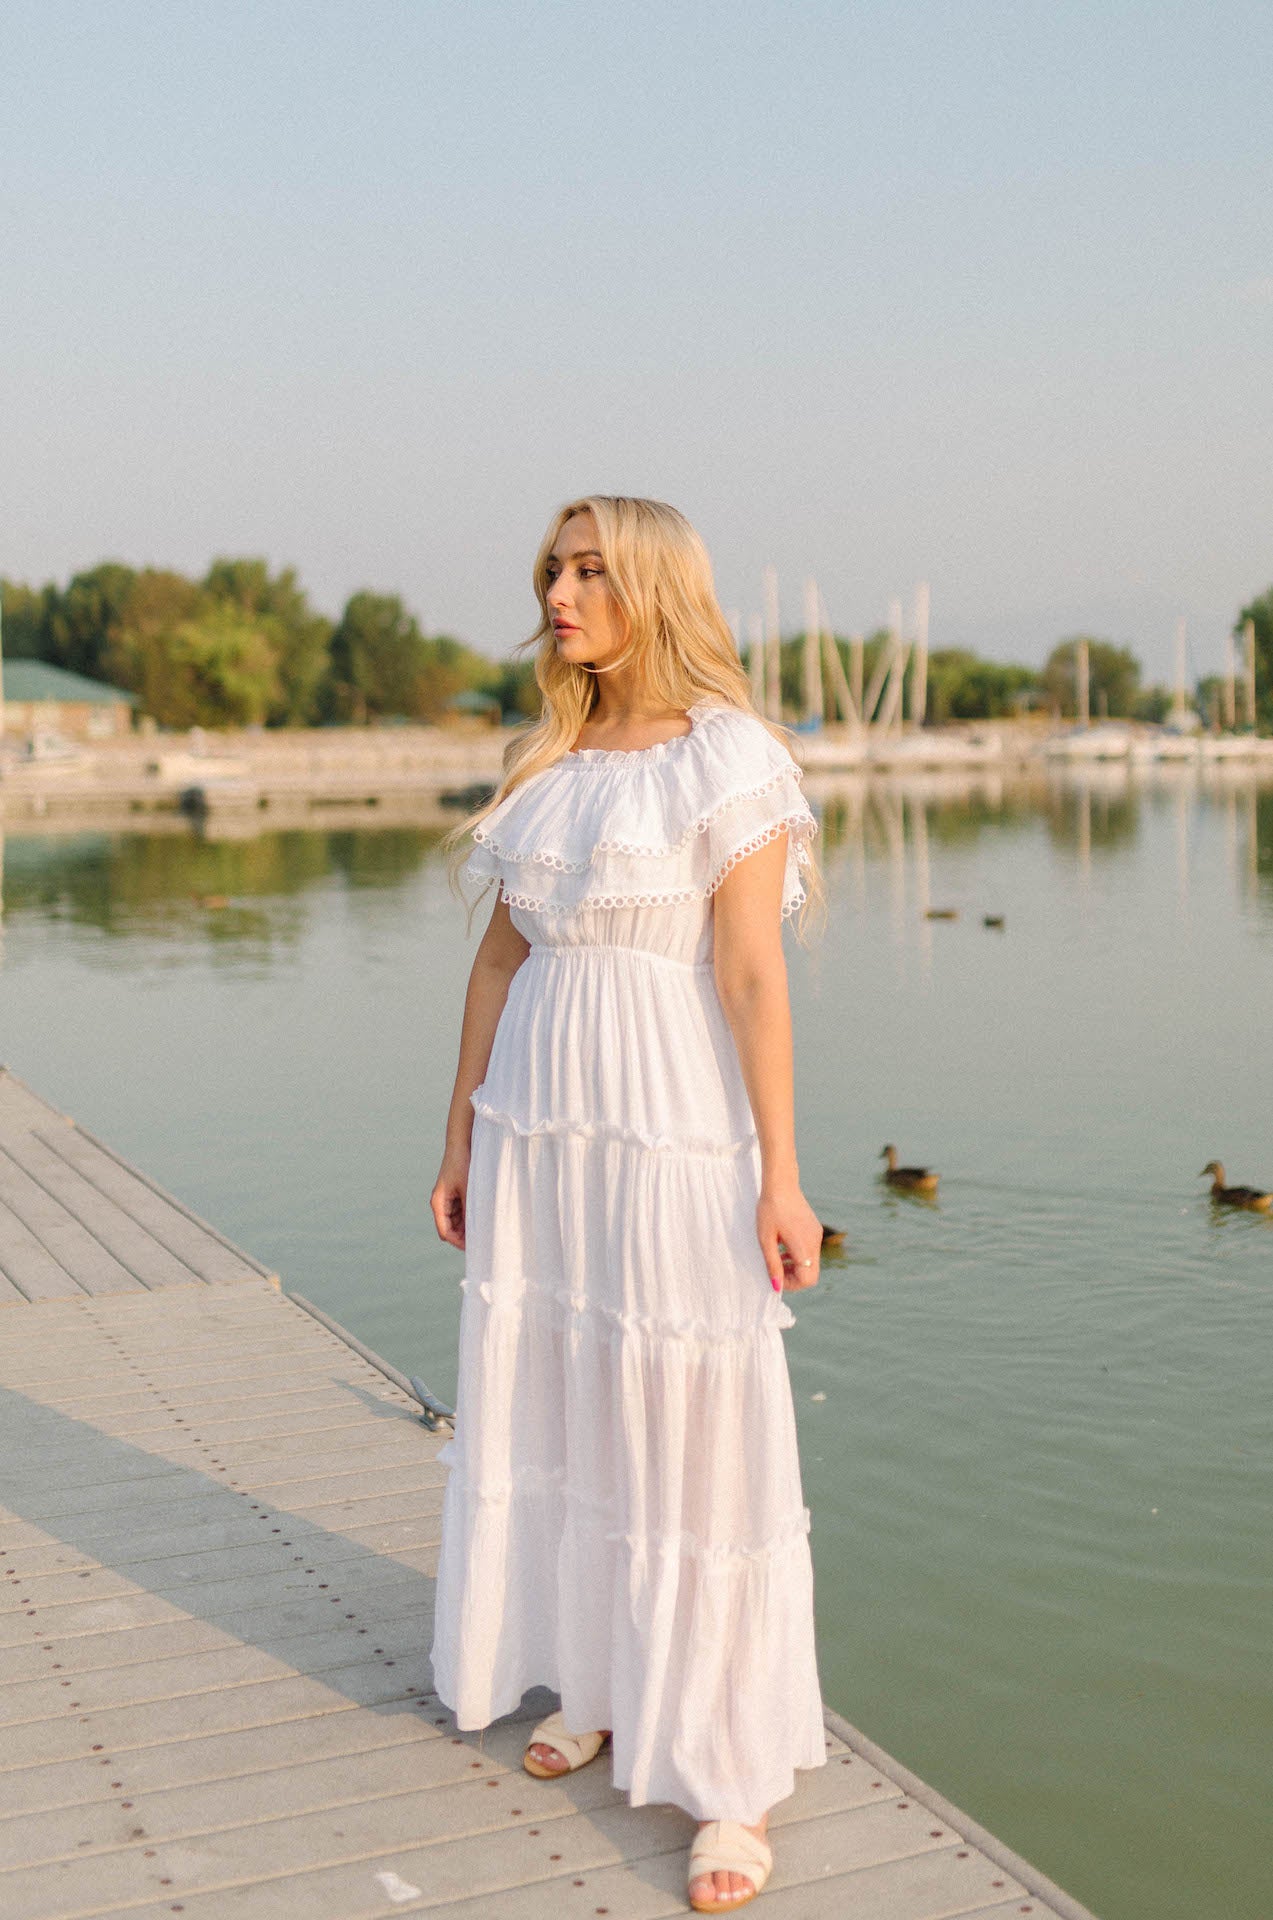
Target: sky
979 294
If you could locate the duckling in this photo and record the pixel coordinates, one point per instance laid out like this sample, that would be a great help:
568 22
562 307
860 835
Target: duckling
832 1236
942 913
993 920
1250 1197
911 1179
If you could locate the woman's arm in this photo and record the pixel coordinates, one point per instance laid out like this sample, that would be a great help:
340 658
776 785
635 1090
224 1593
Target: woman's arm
500 952
751 979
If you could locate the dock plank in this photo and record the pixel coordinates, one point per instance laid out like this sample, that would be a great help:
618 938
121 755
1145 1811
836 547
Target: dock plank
80 1252
27 1264
109 1228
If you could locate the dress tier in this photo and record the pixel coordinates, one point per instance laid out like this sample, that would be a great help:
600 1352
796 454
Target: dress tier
623 1519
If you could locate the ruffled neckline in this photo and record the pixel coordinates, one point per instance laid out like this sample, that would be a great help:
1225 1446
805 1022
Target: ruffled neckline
657 751
630 826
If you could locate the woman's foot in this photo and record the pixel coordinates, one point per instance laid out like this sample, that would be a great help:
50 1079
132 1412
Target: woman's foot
721 1892
549 1757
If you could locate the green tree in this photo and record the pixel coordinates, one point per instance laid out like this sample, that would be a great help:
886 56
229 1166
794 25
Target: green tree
190 659
376 652
229 662
1260 613
301 638
514 685
963 686
22 615
1153 704
446 667
141 652
80 622
382 665
1113 673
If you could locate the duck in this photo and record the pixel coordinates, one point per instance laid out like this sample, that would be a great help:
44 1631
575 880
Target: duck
1250 1197
993 920
831 1236
910 1179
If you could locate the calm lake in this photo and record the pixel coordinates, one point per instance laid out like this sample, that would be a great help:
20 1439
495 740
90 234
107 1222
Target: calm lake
1035 1417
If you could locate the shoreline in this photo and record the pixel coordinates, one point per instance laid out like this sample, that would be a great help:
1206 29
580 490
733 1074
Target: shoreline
252 782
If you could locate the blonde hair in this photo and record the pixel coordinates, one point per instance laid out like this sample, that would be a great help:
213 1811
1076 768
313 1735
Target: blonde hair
678 641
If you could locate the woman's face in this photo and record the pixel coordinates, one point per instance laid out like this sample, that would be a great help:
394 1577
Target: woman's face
588 623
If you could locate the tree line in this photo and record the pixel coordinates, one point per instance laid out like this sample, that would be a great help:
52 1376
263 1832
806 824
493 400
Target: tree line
243 646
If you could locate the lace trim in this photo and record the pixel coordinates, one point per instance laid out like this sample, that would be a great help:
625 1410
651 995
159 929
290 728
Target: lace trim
708 1334
532 903
607 1131
542 1483
703 824
756 841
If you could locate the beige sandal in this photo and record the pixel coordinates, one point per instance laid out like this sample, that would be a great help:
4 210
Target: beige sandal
576 1749
726 1846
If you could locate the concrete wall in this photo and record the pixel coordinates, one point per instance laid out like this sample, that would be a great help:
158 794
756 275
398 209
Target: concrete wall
73 719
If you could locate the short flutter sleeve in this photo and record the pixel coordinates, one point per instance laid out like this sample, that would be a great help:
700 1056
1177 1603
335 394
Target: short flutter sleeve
659 825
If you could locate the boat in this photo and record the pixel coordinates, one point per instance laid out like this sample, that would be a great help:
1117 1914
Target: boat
1110 740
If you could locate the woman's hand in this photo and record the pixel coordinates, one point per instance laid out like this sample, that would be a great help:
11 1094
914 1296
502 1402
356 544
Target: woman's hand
450 1192
790 1234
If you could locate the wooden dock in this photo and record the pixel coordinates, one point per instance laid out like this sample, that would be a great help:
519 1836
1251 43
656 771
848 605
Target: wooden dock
218 1531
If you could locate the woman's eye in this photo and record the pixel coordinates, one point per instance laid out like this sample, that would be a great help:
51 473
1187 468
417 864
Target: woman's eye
588 573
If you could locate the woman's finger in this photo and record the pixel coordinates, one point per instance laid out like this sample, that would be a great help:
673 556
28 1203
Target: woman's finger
770 1246
798 1274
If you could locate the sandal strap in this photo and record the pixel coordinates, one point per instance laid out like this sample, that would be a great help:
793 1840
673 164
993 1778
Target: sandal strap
577 1748
726 1846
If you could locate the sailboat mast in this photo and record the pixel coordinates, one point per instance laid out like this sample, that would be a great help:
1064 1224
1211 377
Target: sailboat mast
773 646
756 660
813 707
919 668
1178 700
841 692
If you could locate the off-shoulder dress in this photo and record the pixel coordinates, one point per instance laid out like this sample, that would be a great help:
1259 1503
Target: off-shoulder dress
623 1519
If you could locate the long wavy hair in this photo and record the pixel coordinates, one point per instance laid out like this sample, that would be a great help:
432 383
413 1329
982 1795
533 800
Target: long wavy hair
678 641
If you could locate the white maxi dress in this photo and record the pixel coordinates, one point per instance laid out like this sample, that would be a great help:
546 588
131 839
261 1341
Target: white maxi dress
623 1519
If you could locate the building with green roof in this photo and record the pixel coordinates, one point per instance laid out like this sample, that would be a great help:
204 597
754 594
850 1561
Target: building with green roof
39 698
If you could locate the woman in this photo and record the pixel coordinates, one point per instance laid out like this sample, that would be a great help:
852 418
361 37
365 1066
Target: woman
623 1519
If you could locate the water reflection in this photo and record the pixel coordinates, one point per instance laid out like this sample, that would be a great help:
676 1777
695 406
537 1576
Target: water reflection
1089 816
187 887
169 880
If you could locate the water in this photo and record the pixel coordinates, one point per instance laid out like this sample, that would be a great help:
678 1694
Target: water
1040 1476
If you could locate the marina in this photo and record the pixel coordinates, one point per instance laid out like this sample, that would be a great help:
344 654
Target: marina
218 1531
